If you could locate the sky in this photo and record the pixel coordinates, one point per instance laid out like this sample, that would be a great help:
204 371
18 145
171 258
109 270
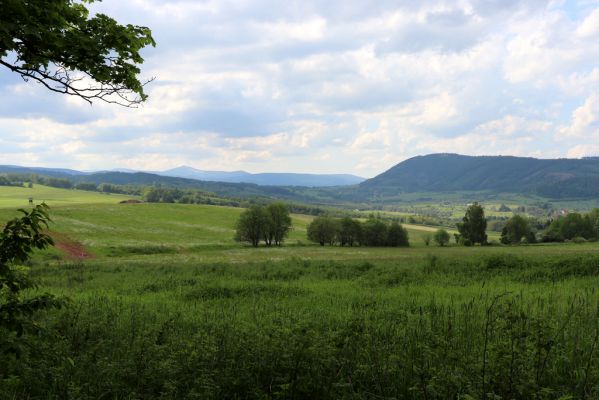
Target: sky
323 86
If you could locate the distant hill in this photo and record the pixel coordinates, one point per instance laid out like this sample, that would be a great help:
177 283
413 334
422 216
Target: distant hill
434 173
265 179
551 178
53 172
269 179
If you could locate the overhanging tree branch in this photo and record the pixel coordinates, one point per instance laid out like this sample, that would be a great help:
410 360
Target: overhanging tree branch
56 44
61 81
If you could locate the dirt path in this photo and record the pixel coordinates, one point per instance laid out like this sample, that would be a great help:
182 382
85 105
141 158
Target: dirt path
71 249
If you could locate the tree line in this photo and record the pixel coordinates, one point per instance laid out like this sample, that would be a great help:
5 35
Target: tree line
573 226
519 229
348 231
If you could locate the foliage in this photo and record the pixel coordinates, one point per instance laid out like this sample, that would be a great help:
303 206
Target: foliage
57 44
323 230
572 226
350 232
251 225
441 237
426 239
271 224
474 225
279 223
86 186
516 229
374 231
18 239
397 235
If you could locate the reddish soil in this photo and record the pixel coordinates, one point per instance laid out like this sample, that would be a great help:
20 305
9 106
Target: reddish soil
71 249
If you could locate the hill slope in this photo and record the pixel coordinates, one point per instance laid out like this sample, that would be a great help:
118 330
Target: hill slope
557 178
264 179
268 179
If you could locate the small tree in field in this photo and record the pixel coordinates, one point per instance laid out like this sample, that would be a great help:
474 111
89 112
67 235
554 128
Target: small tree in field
515 230
18 239
251 225
473 226
426 239
441 237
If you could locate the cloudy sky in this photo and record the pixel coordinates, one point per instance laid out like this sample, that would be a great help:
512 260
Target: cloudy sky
328 87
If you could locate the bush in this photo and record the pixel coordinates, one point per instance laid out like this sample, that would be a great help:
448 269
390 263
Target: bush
426 239
18 239
441 237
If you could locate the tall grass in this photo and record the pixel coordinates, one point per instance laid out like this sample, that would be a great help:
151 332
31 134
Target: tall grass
439 327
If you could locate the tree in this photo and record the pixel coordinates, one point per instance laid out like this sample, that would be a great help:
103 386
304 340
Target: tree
251 225
515 229
397 235
56 43
426 239
441 237
374 232
350 231
592 219
322 230
473 226
571 226
279 223
18 239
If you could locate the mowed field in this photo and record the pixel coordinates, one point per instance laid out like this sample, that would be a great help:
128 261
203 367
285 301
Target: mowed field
164 304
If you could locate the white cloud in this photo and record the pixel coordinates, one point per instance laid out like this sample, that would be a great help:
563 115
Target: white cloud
590 25
585 121
321 86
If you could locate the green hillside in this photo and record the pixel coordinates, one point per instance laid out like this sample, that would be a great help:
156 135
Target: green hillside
555 178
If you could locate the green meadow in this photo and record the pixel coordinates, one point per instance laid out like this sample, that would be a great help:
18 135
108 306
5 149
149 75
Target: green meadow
162 303
18 197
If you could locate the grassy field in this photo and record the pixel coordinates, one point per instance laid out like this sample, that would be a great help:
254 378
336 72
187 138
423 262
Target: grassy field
18 197
168 306
106 228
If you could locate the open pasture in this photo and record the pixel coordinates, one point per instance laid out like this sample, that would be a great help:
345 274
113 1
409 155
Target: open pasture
18 197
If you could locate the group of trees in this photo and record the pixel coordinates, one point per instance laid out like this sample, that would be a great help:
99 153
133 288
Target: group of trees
10 181
270 224
573 226
352 232
518 230
440 237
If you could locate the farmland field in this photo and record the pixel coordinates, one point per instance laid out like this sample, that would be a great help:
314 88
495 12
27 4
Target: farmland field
164 304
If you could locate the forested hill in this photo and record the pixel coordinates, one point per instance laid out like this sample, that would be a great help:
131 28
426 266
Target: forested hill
552 178
435 173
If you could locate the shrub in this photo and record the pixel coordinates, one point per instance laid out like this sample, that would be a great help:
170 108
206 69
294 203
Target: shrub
441 237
